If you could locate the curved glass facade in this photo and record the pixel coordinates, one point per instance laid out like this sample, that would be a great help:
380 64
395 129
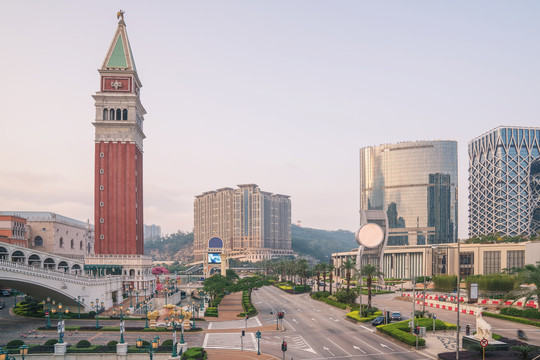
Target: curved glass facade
504 182
416 184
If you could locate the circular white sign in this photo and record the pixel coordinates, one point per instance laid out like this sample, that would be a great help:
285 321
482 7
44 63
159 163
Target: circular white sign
370 235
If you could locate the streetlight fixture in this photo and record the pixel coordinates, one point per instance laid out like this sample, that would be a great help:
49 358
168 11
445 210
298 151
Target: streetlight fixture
150 349
61 326
122 327
146 313
130 296
78 301
4 355
97 311
23 351
193 315
49 305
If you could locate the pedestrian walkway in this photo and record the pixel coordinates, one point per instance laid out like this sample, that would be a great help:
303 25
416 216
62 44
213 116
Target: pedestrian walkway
217 354
229 307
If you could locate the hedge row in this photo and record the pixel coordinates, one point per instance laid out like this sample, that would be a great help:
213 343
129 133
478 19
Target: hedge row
194 353
329 301
249 309
402 332
525 313
355 315
211 312
512 318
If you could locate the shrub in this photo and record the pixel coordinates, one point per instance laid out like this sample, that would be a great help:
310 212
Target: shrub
356 316
512 318
112 343
14 344
50 342
83 344
194 353
401 330
167 342
525 313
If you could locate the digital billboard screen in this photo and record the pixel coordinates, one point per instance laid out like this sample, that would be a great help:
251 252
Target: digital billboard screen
214 258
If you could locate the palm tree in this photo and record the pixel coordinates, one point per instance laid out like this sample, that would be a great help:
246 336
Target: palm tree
370 271
302 267
324 269
331 268
348 266
317 270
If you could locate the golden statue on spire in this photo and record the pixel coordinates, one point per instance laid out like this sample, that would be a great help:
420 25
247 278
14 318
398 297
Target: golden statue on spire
120 14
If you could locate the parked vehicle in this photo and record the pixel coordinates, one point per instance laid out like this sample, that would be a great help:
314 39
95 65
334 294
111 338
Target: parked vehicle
396 316
5 293
379 320
2 305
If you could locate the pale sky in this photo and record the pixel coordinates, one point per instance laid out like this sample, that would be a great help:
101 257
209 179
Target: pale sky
279 93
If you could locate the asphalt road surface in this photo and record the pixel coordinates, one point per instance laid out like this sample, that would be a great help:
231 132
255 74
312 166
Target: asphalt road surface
315 330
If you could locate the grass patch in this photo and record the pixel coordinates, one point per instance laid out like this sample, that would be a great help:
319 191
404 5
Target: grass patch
402 332
512 318
355 315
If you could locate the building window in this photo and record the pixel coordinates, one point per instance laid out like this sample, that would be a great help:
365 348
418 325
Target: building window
72 244
102 237
61 242
80 245
101 221
101 154
492 262
38 241
101 187
111 114
515 259
124 114
118 114
101 171
101 203
105 114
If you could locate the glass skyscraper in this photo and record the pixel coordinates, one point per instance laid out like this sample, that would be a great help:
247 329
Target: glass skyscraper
504 182
416 184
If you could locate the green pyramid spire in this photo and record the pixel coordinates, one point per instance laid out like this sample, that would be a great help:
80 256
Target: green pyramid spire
118 56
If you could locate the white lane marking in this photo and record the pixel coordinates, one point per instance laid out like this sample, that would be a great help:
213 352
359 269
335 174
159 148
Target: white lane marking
357 348
258 321
295 321
310 348
327 349
336 320
340 347
386 346
292 327
374 348
368 329
205 342
314 320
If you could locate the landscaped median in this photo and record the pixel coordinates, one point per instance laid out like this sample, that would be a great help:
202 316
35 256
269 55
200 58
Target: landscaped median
512 318
355 315
402 332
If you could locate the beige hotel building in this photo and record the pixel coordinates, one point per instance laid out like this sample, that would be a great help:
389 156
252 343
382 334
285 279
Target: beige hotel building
253 224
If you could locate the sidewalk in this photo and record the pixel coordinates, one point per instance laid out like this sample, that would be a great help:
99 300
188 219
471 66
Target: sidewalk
229 307
218 354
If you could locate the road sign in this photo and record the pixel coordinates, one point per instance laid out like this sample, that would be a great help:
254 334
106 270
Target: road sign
46 313
483 343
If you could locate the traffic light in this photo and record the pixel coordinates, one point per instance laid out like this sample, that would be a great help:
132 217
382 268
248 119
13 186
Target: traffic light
283 346
243 333
467 330
280 315
416 330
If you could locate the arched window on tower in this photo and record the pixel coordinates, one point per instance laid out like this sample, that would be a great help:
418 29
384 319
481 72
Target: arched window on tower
80 245
118 114
105 114
72 244
124 114
111 114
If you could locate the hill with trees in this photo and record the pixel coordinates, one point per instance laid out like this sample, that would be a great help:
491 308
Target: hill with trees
319 244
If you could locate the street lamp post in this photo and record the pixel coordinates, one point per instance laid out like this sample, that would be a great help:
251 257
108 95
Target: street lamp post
137 294
49 305
122 326
146 313
97 311
174 318
258 336
78 301
150 349
193 315
61 326
130 296
182 327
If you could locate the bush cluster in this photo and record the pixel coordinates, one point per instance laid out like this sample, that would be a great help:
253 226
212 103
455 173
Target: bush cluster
525 313
401 330
211 312
324 296
194 353
355 315
249 309
512 318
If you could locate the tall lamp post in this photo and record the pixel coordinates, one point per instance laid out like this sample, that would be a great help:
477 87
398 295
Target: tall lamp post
78 301
49 305
193 315
182 327
130 296
61 326
97 311
150 349
122 327
174 319
146 313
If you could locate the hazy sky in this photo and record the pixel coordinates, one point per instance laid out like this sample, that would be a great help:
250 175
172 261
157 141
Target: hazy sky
278 93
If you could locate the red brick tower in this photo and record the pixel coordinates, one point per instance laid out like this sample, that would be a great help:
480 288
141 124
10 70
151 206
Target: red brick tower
118 193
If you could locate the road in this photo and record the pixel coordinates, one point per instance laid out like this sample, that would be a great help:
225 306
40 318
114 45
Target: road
315 330
500 327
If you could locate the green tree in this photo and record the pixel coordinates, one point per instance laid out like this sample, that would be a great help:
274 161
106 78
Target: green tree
331 269
318 270
370 272
231 275
348 266
302 268
445 282
530 274
324 270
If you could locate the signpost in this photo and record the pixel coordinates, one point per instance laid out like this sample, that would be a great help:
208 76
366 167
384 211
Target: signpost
483 344
434 318
258 336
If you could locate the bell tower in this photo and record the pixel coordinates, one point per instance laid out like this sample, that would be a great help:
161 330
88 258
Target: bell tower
119 117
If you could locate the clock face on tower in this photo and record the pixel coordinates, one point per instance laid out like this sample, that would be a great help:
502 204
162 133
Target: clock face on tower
116 84
370 235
